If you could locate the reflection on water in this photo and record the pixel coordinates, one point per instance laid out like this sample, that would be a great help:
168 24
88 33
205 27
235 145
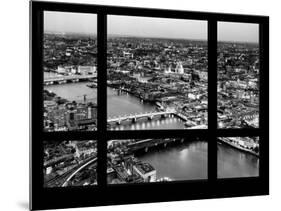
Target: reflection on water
74 91
235 163
187 161
118 104
160 123
121 103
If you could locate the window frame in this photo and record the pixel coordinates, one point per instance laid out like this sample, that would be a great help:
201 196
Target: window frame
103 194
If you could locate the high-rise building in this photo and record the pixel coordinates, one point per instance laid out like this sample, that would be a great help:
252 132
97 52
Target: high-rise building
168 70
91 112
86 69
179 68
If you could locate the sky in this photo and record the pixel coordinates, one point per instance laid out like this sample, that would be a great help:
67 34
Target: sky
67 22
238 32
157 27
83 23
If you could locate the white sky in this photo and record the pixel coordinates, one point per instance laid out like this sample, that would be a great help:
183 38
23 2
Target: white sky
157 27
67 22
83 23
239 32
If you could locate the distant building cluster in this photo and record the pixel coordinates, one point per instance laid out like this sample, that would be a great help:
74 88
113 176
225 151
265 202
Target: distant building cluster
69 59
123 167
175 72
82 70
66 53
62 115
238 85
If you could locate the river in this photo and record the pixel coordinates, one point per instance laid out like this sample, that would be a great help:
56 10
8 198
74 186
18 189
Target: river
74 91
121 103
118 103
187 161
183 162
235 163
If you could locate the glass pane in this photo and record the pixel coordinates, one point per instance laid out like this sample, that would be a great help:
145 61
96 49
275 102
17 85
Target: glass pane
70 61
156 73
238 157
156 160
70 163
238 75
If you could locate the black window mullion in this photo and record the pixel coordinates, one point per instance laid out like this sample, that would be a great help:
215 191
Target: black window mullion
212 99
264 99
102 99
36 108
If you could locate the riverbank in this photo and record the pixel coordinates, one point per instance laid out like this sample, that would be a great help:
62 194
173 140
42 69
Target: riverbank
235 146
74 91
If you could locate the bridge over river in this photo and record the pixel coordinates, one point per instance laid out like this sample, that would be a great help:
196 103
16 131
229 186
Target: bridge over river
148 115
68 79
148 143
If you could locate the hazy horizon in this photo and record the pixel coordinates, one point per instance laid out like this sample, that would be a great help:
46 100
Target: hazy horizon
135 36
238 32
157 27
148 27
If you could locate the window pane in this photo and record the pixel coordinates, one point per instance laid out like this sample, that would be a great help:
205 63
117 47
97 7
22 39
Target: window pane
157 73
238 75
70 60
238 157
70 163
156 160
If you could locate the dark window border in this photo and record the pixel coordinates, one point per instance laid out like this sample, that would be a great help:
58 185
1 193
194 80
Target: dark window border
102 194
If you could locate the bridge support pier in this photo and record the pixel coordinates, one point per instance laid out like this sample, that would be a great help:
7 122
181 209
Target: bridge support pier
146 149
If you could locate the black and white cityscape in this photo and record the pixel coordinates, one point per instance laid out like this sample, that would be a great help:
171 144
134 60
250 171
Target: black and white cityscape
70 163
156 160
70 71
157 72
238 157
238 98
238 75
